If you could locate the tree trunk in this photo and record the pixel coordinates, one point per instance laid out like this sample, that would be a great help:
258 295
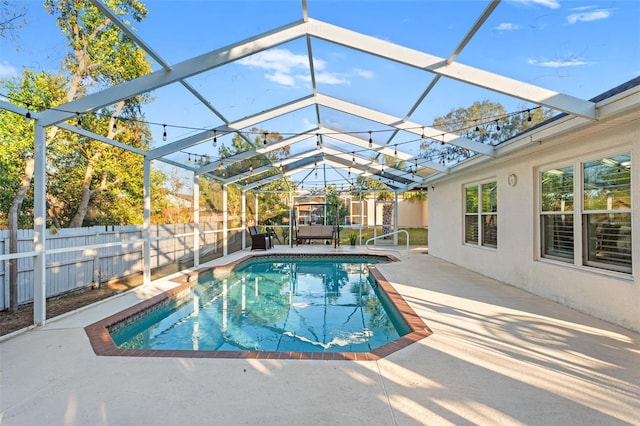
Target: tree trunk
387 215
14 211
86 193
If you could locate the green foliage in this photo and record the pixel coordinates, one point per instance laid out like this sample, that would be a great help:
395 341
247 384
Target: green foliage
479 122
16 135
336 204
89 182
99 53
273 207
12 18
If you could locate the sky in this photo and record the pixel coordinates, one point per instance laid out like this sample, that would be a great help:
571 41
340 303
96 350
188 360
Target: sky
580 48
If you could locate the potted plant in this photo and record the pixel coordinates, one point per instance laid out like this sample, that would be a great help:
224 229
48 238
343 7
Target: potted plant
352 238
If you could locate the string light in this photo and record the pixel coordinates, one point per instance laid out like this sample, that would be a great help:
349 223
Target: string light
27 105
205 158
250 168
353 158
349 172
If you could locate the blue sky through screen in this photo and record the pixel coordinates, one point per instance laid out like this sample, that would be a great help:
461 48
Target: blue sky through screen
580 48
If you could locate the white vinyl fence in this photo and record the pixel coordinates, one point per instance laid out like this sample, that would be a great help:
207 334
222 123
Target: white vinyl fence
80 257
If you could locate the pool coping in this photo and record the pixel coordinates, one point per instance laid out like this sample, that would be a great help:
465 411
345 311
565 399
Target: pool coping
103 345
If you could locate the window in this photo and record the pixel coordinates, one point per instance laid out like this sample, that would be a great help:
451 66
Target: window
471 215
556 219
481 214
606 213
602 196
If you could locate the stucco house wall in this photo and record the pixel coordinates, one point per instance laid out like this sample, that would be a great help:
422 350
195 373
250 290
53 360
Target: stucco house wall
411 214
609 295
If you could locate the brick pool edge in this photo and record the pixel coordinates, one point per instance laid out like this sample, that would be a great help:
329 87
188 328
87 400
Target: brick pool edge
103 345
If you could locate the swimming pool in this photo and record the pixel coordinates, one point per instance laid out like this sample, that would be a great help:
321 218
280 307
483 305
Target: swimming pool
317 307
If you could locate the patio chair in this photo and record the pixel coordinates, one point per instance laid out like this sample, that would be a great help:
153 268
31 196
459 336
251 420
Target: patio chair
259 241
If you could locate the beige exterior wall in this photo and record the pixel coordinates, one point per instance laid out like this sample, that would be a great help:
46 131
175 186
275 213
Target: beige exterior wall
411 214
609 295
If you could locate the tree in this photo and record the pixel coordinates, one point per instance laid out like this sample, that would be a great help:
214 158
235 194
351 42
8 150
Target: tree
336 205
272 207
484 122
17 163
16 139
12 18
99 55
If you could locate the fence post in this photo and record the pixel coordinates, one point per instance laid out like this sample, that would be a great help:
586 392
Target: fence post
5 285
196 220
146 227
39 226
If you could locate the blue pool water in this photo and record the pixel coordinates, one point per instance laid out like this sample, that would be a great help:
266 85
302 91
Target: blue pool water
288 304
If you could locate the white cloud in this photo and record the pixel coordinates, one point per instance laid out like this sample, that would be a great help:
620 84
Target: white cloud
281 78
281 60
588 16
283 63
362 73
559 63
551 4
582 8
507 26
330 78
7 70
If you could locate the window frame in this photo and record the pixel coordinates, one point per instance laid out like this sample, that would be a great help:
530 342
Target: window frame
583 235
610 212
544 215
480 217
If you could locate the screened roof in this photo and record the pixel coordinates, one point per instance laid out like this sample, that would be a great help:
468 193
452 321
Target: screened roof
346 83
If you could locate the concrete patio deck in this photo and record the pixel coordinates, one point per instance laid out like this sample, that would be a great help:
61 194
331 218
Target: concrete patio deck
497 355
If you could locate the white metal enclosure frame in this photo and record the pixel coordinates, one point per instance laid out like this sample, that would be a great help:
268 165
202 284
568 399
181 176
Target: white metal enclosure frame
578 111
